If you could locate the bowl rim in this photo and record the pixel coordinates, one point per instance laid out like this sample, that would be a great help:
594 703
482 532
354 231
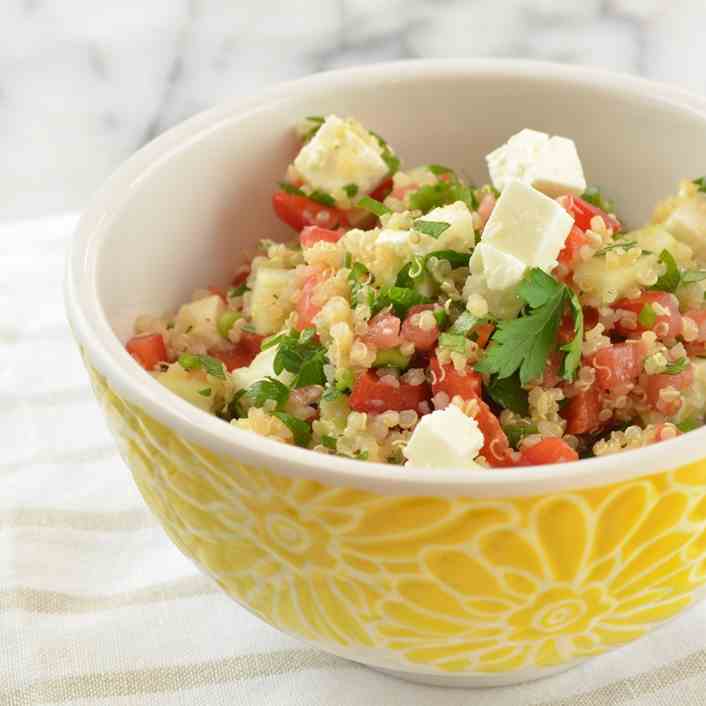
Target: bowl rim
107 354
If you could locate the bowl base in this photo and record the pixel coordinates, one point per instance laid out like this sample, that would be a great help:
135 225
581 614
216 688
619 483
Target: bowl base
474 681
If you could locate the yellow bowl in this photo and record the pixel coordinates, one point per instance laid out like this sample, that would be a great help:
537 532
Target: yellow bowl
447 577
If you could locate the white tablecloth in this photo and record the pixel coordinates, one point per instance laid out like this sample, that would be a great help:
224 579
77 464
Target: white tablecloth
96 605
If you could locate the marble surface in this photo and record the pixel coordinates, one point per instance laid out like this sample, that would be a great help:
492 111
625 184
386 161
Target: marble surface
85 84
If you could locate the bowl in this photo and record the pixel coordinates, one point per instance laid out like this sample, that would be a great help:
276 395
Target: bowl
462 578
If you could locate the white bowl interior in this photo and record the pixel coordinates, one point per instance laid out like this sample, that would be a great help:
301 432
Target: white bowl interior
190 219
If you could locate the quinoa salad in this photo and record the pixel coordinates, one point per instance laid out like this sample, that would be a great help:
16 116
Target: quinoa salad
415 318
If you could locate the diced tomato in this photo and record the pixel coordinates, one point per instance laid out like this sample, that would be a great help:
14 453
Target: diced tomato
383 331
242 353
572 246
582 213
485 208
667 325
550 450
242 275
147 349
423 339
382 191
656 383
306 308
590 317
219 291
552 370
371 394
300 211
618 365
314 234
447 379
484 332
496 448
581 412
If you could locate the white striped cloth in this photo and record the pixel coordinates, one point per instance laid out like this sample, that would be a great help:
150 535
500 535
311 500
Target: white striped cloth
97 607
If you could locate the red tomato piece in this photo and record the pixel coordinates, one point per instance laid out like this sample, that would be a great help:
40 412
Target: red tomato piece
572 246
496 449
382 191
618 365
582 213
383 331
656 383
447 379
219 291
550 450
306 308
581 412
242 275
371 394
423 339
147 349
242 353
552 370
314 234
300 211
667 325
484 331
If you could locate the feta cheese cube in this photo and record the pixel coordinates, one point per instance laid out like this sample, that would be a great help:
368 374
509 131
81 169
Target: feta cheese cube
272 299
460 235
444 439
550 164
529 225
501 270
341 152
261 367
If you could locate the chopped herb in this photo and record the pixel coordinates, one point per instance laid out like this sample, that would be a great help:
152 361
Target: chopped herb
647 317
516 432
374 206
411 272
455 259
625 244
322 197
454 342
525 343
273 341
205 392
669 281
226 321
572 348
464 323
347 260
508 393
400 298
431 228
345 380
388 156
358 278
678 366
291 189
691 276
299 428
351 190
594 196
318 121
688 424
268 389
212 366
391 358
439 169
442 318
233 409
329 442
701 183
237 291
299 354
331 394
442 193
361 455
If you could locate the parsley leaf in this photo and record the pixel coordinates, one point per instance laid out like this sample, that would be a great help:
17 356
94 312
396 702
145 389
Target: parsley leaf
237 291
374 206
299 428
508 393
678 366
431 228
689 424
593 196
647 317
212 366
669 281
690 276
388 156
400 298
291 189
299 354
442 193
524 344
455 259
322 197
358 278
516 432
268 389
331 394
625 244
205 392
351 190
439 169
701 183
329 442
572 359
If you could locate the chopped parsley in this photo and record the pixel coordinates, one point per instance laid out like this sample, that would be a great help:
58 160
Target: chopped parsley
516 432
669 281
237 291
402 299
268 389
299 354
593 196
508 393
701 183
439 169
374 206
322 197
678 366
329 442
431 228
358 279
331 394
388 156
688 424
291 189
442 193
299 428
351 190
524 344
647 317
691 276
212 366
317 121
205 392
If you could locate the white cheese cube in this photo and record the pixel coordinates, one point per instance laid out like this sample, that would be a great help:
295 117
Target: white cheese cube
687 223
261 367
460 235
550 164
444 439
341 152
529 225
502 270
199 320
272 301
